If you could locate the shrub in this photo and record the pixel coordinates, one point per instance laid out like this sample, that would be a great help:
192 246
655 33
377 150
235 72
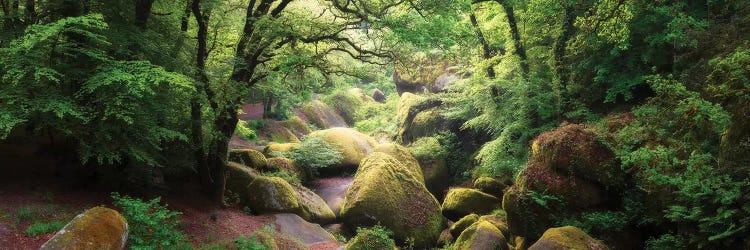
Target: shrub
428 149
375 117
314 154
259 240
244 131
151 226
24 213
376 237
39 228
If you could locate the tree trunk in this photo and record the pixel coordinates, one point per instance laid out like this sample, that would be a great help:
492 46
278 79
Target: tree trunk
142 13
559 56
30 11
487 53
512 23
210 169
186 16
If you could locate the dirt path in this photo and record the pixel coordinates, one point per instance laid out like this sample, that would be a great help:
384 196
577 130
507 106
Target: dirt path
333 190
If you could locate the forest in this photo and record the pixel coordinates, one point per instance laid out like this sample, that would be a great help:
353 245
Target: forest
375 124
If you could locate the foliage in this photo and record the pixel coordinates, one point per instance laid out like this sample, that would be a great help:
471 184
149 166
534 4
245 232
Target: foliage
428 148
314 154
376 237
39 228
58 77
258 240
245 131
375 117
150 225
284 174
680 131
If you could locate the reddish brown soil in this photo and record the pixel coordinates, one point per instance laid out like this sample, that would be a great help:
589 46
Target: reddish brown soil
252 111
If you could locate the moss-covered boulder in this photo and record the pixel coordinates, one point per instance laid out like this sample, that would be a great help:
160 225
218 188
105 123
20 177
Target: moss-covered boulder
480 236
96 228
437 176
499 222
346 104
297 126
460 202
273 149
286 164
249 157
577 150
238 178
457 228
322 115
404 156
405 104
425 123
566 238
276 131
275 195
378 95
352 144
569 172
490 185
384 191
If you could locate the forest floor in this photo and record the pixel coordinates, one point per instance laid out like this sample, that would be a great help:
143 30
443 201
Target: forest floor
30 193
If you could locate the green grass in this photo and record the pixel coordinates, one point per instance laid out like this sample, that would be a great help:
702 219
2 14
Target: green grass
39 228
24 213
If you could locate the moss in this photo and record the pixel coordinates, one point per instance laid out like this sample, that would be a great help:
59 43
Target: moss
577 150
385 192
345 103
322 115
249 157
274 195
360 93
457 228
297 126
275 131
481 235
238 178
288 165
460 202
567 237
403 155
353 145
274 148
96 228
490 185
405 103
498 222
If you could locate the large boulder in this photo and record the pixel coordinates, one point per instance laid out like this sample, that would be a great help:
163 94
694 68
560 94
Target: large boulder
460 202
238 178
436 176
425 123
96 228
405 103
287 165
352 144
322 115
297 126
360 93
309 234
276 131
570 171
249 157
404 156
275 195
482 235
346 104
384 191
566 238
428 76
378 96
490 185
457 228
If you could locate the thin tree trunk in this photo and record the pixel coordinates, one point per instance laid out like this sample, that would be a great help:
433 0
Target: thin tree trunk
186 16
487 53
142 13
512 23
559 56
30 11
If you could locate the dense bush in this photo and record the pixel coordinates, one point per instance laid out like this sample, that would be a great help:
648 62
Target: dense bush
374 238
150 225
378 118
245 131
39 228
313 154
